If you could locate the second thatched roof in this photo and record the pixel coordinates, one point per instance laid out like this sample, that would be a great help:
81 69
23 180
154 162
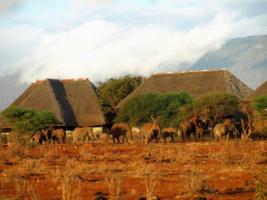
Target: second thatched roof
196 83
260 91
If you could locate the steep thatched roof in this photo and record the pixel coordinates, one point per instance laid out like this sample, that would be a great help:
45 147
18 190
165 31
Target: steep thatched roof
196 83
73 101
261 90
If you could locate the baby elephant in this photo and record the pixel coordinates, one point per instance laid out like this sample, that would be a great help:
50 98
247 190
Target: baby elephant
168 132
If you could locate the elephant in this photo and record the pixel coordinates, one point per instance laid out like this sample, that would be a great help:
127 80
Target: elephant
81 134
224 130
168 132
58 135
186 128
43 136
121 130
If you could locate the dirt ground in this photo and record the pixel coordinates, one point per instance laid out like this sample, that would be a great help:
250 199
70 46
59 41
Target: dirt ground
214 170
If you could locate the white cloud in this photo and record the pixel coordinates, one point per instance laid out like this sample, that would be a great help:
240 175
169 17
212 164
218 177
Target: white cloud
100 49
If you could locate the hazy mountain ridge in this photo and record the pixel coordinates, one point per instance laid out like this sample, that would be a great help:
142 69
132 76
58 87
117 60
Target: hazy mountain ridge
245 57
10 89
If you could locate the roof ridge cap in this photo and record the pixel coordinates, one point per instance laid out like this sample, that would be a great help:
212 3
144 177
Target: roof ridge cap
191 71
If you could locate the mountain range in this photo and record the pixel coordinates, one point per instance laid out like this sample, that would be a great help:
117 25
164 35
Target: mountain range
244 57
10 88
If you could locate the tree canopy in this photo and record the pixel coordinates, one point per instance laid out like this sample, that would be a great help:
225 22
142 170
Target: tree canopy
114 90
28 120
167 107
216 105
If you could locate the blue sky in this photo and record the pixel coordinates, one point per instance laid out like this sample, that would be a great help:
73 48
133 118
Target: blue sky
104 38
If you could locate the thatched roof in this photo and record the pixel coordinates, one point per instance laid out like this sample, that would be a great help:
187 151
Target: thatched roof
261 90
196 83
72 101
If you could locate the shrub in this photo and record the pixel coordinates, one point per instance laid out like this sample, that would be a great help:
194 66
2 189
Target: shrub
138 110
25 122
260 103
28 120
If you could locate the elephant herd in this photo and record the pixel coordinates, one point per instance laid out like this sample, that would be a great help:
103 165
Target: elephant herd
148 133
151 132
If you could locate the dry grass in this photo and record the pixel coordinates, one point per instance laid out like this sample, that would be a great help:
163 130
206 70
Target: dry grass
238 153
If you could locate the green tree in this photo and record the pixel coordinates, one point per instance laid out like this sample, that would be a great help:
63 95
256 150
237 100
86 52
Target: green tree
114 90
260 103
28 121
167 107
215 105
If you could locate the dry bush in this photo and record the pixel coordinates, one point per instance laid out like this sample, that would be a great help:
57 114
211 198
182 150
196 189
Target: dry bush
133 194
69 179
113 182
103 168
195 182
15 152
3 155
151 178
21 189
70 189
112 179
151 181
85 154
261 186
25 189
29 165
51 152
33 166
3 181
33 192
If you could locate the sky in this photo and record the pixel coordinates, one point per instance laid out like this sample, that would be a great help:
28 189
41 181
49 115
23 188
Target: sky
100 39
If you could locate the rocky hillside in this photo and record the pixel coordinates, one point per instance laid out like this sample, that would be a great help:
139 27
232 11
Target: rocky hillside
245 57
10 89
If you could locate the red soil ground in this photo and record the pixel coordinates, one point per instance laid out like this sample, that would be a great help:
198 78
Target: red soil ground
216 170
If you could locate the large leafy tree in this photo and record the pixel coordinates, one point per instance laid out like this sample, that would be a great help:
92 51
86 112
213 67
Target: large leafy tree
114 90
215 105
28 121
167 107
